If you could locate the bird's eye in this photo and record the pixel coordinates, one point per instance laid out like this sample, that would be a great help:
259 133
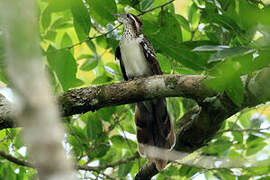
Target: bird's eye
128 15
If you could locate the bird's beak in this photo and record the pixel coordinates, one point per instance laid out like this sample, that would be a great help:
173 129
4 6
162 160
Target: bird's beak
118 15
121 17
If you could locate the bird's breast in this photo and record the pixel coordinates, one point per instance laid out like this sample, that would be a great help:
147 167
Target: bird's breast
133 59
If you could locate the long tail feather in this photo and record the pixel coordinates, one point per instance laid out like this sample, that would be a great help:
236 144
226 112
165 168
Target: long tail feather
154 128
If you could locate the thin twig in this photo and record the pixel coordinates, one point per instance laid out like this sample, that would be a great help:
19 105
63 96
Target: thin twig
5 138
79 167
203 167
16 160
243 130
113 164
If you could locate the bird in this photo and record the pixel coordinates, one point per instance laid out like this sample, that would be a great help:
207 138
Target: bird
137 59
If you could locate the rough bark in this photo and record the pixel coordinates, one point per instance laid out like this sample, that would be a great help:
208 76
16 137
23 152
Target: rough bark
92 98
77 101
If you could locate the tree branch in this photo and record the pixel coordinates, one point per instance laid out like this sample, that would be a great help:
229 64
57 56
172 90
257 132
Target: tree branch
77 101
78 167
113 164
92 98
16 160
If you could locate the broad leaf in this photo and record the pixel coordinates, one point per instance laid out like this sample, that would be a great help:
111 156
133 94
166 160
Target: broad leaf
210 48
169 25
46 18
145 4
183 22
94 128
66 41
89 64
102 11
64 65
81 19
229 53
194 16
235 90
169 47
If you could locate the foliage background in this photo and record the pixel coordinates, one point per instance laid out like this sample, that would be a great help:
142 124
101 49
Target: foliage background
221 38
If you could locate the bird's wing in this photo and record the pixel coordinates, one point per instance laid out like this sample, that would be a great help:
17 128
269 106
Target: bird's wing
118 57
150 56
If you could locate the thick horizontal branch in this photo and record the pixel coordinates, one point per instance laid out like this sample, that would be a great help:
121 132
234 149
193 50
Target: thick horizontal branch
92 98
77 101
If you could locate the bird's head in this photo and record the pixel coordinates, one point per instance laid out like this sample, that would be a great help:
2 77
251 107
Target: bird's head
130 21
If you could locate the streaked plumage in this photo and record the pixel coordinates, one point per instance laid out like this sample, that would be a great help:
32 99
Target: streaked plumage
137 59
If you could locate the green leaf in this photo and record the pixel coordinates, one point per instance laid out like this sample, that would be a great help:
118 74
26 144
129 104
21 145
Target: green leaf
89 64
77 146
194 16
58 5
164 63
66 41
101 11
81 19
226 175
229 53
120 143
46 18
102 42
2 60
102 79
85 56
92 46
145 4
169 25
124 2
219 147
183 22
210 48
62 23
80 133
187 171
150 25
178 51
254 147
124 169
238 136
235 90
50 35
106 113
94 128
100 151
64 65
